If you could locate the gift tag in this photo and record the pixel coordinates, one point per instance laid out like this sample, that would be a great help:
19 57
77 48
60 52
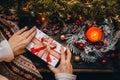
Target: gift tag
45 48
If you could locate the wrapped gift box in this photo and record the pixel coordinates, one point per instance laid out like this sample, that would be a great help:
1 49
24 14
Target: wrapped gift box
45 48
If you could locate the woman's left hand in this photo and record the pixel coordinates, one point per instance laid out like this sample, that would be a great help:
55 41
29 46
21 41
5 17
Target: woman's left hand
21 39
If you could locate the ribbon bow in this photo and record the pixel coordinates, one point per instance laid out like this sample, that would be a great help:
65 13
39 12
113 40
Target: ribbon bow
47 47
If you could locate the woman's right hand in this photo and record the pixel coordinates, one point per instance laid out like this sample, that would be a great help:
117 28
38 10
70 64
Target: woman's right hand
21 39
65 65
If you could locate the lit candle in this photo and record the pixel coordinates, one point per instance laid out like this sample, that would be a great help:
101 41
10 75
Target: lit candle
94 34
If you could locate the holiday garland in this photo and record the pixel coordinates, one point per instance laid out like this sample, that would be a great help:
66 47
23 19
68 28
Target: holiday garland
63 8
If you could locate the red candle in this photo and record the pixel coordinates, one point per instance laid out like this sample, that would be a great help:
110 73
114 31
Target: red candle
94 34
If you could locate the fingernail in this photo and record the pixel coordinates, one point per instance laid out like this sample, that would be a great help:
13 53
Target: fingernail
34 26
25 27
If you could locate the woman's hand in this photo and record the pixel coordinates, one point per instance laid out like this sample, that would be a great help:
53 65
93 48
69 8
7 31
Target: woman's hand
65 63
21 39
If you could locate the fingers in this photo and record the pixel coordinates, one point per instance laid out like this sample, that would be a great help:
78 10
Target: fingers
65 57
28 40
54 70
29 32
21 31
62 55
69 55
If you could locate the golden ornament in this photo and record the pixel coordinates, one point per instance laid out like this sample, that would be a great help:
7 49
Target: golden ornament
77 58
62 37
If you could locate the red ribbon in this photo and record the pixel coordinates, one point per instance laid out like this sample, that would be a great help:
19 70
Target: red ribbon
33 50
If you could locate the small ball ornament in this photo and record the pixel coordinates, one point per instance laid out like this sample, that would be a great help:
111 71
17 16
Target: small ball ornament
77 58
62 37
